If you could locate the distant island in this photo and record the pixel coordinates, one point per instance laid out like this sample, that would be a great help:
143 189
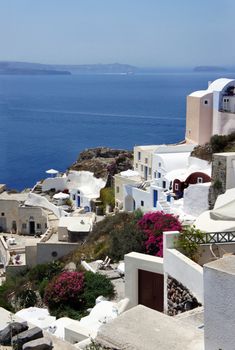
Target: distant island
28 68
209 69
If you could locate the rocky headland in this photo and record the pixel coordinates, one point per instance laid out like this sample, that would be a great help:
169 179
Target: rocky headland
104 161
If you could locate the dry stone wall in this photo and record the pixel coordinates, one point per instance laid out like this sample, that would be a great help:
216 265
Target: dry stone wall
179 298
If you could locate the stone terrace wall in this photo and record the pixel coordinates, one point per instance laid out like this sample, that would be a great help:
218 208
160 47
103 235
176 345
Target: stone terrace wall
179 298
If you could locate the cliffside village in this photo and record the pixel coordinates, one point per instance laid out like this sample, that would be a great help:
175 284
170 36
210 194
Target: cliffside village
54 218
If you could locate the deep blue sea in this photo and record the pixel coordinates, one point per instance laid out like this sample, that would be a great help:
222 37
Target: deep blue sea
47 120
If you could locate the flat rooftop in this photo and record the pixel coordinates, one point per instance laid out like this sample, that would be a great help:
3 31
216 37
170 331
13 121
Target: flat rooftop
143 328
20 197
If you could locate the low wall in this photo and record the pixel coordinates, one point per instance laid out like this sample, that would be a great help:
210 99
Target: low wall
13 270
133 263
181 268
219 249
36 200
47 252
4 254
58 183
31 255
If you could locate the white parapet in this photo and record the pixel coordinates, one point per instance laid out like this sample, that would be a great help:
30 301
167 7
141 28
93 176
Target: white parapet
133 263
219 307
181 268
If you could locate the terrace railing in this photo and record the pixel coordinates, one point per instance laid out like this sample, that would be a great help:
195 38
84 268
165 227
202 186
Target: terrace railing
214 237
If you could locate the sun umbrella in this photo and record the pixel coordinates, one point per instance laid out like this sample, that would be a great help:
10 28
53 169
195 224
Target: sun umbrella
52 171
61 195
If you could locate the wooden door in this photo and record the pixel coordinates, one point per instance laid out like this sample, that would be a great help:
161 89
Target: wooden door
151 290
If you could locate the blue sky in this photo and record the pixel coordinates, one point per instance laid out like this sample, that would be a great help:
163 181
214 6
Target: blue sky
140 32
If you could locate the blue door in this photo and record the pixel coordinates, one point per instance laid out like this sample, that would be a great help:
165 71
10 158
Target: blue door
78 201
155 198
168 198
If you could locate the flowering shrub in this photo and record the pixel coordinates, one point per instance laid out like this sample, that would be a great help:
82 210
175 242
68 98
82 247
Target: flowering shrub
153 225
64 288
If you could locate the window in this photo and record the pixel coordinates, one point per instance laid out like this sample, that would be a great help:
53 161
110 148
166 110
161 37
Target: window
142 203
159 175
74 197
78 192
117 189
176 187
139 155
150 171
54 254
155 175
24 226
159 164
3 214
146 160
170 187
199 180
38 226
205 102
136 165
45 225
164 184
142 167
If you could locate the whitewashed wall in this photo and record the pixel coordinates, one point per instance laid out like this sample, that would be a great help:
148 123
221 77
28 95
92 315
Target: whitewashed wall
219 308
36 200
183 269
134 262
58 183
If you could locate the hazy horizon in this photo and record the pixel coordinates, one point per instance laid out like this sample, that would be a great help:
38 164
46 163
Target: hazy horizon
149 34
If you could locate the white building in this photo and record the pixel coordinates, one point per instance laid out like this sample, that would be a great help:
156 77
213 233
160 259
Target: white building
143 159
81 185
173 171
211 111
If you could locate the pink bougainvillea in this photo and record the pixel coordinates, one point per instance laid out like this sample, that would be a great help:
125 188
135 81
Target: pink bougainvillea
67 286
153 225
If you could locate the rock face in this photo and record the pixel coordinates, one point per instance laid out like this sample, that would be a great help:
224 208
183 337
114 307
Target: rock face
179 298
11 331
103 161
38 344
219 176
26 336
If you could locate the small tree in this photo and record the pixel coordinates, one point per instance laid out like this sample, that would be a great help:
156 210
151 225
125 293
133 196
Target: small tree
153 225
65 288
189 240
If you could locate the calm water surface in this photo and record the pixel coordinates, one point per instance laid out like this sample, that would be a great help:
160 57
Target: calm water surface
47 120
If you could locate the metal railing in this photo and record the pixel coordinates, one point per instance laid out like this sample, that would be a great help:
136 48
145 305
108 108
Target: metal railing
214 237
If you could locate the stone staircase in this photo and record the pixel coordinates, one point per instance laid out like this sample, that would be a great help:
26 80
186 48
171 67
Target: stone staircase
165 206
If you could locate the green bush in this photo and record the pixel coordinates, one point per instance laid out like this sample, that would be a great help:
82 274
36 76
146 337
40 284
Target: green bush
189 240
27 298
117 235
68 311
107 196
96 285
42 286
42 271
12 286
125 238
